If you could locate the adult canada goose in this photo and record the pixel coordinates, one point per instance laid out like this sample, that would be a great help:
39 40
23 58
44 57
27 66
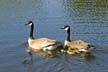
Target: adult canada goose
78 45
41 44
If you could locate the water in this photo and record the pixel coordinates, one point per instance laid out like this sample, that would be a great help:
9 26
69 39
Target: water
88 20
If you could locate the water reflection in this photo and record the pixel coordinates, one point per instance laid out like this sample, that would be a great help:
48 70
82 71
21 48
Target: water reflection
89 57
50 55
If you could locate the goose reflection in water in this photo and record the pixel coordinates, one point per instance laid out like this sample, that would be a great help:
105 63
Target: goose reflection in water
88 57
49 55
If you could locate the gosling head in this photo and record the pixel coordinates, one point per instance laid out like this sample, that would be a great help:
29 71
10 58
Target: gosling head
66 27
30 23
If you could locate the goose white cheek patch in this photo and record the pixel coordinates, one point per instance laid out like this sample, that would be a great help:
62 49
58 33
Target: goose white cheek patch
30 24
66 28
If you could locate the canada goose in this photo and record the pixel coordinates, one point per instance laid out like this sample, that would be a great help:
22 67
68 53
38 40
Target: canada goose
43 44
78 45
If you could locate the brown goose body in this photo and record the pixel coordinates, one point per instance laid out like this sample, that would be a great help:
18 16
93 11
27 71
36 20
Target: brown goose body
43 43
79 45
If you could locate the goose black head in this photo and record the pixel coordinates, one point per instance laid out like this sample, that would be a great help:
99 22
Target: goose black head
66 27
30 23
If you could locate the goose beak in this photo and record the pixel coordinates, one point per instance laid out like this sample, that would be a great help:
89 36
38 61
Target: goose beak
26 24
61 28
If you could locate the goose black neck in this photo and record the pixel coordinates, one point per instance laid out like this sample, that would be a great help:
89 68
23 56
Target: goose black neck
31 31
68 35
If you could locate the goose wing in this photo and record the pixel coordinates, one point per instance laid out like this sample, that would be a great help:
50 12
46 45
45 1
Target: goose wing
79 44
